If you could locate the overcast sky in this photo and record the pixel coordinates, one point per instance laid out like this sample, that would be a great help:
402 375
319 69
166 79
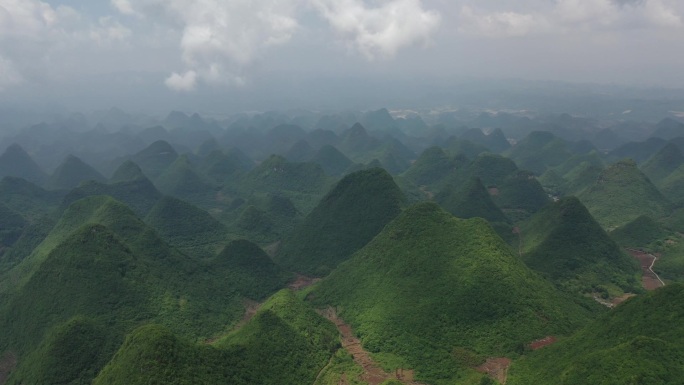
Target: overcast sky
136 52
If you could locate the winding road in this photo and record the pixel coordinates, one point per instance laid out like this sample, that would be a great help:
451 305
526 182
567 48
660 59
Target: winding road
650 279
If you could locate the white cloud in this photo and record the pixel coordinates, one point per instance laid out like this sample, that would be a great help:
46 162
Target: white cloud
382 30
220 39
124 6
9 76
571 17
185 82
500 24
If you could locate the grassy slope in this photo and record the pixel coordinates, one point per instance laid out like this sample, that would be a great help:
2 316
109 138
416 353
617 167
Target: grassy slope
349 216
621 194
639 342
565 243
285 343
430 282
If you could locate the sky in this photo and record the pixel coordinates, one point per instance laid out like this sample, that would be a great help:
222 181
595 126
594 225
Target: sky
247 53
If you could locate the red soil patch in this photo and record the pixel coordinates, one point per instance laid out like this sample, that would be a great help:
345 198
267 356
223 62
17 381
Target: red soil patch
373 374
540 343
493 191
302 281
649 280
618 300
496 368
8 362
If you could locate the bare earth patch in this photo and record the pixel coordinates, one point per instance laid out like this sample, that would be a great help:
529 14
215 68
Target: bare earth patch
302 282
540 343
373 374
496 368
8 362
649 279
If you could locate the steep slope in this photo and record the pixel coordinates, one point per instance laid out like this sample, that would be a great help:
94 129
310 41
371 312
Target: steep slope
28 199
495 141
187 227
668 128
127 171
432 166
539 151
639 233
349 216
71 173
621 194
430 284
139 194
12 225
300 152
285 343
121 276
672 186
639 338
332 160
663 163
521 191
225 167
182 181
17 163
155 158
470 200
564 242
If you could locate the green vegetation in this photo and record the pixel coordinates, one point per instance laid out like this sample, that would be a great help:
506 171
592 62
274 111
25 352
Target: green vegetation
621 194
431 167
187 227
285 343
182 181
341 367
223 167
521 191
566 244
672 186
641 232
470 200
636 343
11 226
332 160
663 163
349 216
430 282
127 171
28 199
538 151
15 162
139 194
155 158
71 173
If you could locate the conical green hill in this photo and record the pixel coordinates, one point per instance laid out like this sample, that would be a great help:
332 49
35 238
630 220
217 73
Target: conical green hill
285 343
431 284
182 181
300 152
332 160
673 186
250 269
17 163
28 199
277 174
640 232
187 227
71 353
521 191
225 167
138 194
565 243
663 163
539 151
462 147
207 147
349 216
155 158
668 128
71 173
11 226
431 167
357 142
583 176
470 200
641 337
621 194
492 169
126 172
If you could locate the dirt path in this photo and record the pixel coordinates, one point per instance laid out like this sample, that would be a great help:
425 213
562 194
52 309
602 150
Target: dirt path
650 280
373 374
301 282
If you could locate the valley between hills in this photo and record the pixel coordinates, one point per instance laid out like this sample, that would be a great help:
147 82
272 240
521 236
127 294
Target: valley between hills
373 247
